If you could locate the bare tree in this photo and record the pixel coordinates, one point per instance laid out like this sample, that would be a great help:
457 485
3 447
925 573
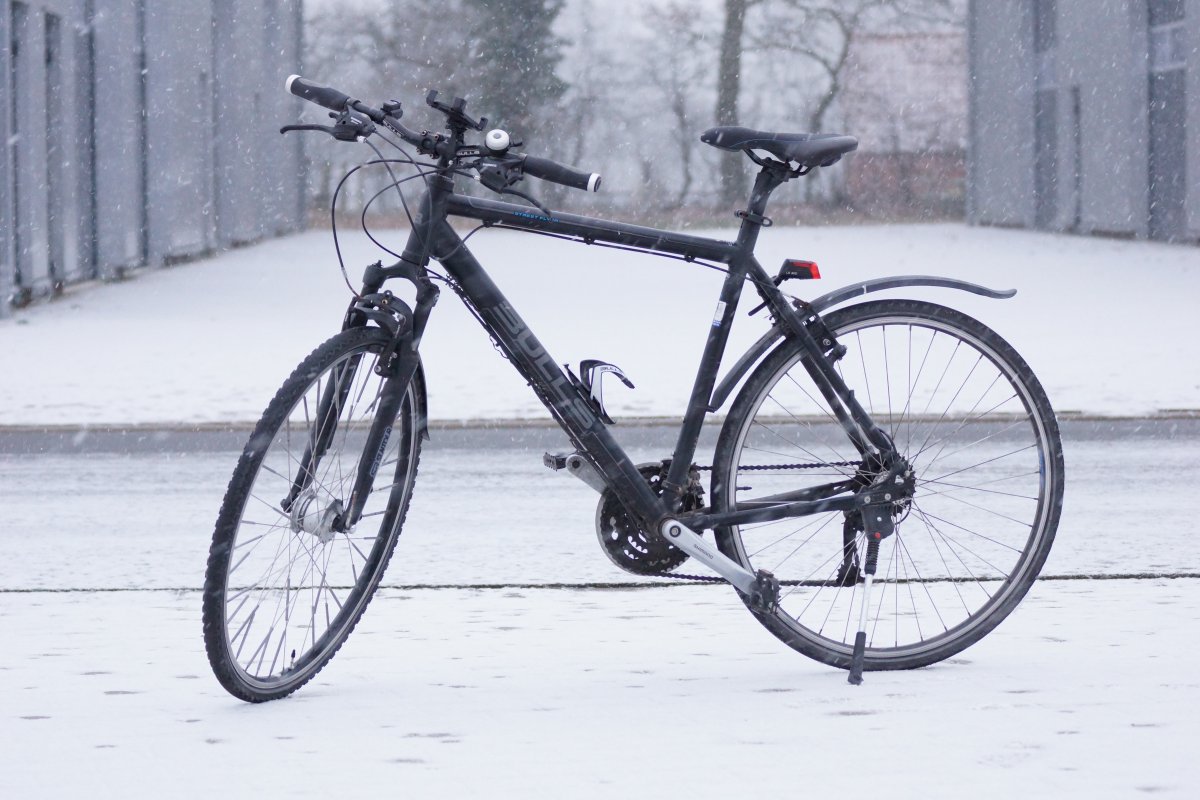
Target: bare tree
500 55
678 53
821 32
729 87
514 55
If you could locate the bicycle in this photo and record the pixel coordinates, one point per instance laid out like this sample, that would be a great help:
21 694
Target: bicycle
885 526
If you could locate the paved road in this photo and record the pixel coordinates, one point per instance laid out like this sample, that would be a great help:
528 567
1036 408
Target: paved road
112 510
1087 690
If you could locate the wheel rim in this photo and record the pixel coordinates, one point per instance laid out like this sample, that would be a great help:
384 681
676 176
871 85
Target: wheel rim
293 586
968 424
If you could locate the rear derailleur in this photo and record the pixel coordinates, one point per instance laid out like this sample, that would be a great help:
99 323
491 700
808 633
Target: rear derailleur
882 489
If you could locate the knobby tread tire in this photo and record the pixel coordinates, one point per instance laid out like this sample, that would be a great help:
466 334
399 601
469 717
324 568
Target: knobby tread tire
770 369
321 359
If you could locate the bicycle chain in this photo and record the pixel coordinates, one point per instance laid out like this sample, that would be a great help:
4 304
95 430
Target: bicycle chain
754 467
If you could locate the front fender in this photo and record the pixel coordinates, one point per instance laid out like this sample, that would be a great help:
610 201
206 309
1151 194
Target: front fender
830 299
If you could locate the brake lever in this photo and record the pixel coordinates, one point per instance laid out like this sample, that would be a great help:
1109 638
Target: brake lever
321 128
499 176
346 127
526 198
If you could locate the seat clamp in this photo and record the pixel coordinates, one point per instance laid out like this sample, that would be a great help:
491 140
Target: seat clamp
758 218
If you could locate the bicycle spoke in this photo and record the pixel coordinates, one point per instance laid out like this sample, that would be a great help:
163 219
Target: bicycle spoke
966 419
944 521
949 404
950 545
979 487
1022 523
957 413
939 456
782 538
982 463
837 455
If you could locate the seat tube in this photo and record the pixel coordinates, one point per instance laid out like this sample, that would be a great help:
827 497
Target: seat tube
714 348
706 378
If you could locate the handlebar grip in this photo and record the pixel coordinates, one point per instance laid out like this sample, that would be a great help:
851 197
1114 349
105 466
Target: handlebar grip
316 93
554 172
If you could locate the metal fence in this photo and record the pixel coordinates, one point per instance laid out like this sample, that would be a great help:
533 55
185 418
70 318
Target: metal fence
139 133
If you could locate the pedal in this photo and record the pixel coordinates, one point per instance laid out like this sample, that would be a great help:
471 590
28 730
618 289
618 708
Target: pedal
577 465
591 374
765 596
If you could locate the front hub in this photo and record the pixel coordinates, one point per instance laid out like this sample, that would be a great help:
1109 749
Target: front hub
316 515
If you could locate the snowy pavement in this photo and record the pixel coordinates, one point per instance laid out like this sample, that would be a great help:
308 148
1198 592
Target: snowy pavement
1088 690
1109 326
123 512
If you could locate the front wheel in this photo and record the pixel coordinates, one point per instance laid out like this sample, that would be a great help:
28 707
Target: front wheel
973 422
286 582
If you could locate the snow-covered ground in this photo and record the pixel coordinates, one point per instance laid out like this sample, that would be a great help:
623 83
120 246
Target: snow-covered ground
1109 326
1087 691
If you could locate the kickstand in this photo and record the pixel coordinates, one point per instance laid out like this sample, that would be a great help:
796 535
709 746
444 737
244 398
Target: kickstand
878 525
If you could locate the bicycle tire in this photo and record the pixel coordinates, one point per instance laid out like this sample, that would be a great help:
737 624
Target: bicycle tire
989 470
272 542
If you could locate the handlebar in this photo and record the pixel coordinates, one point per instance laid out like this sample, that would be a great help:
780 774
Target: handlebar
315 93
554 172
329 97
338 101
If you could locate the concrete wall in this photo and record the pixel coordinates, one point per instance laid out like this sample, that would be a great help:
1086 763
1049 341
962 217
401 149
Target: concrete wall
119 132
1192 47
1102 76
1097 76
250 98
144 133
6 182
1001 87
49 220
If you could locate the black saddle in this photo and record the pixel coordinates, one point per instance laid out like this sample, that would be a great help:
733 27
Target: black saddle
807 149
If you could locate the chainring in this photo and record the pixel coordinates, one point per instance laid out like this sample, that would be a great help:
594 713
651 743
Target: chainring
626 543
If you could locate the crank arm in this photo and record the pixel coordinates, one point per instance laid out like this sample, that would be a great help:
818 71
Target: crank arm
762 589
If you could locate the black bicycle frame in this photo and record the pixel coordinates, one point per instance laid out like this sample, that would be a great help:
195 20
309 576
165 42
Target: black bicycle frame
433 237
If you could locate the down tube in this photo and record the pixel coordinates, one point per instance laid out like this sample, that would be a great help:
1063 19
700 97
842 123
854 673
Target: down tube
556 391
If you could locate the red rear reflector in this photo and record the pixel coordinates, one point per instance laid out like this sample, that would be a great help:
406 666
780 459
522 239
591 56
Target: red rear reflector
804 270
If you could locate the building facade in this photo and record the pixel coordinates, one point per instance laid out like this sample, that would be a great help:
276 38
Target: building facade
139 133
1085 116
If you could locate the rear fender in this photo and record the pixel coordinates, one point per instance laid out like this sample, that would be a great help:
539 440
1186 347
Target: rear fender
826 301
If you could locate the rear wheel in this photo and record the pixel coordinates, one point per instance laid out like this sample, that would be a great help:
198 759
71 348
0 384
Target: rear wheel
974 423
284 585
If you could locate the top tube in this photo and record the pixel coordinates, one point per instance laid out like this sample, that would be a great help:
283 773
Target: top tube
590 229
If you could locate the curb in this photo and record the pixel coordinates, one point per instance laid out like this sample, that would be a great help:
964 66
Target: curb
238 426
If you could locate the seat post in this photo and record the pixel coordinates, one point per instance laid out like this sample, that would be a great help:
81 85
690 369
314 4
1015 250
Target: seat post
768 180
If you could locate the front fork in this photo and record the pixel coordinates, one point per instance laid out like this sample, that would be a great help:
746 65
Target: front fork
397 364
